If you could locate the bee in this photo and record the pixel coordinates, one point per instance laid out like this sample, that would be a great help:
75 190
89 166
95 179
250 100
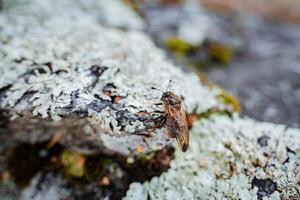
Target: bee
175 118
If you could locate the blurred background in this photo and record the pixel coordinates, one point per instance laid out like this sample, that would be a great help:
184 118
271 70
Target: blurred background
249 47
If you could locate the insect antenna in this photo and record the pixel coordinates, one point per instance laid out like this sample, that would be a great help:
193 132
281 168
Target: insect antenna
169 84
154 88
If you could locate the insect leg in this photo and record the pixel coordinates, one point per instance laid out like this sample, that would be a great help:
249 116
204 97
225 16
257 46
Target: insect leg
145 133
157 111
161 121
154 88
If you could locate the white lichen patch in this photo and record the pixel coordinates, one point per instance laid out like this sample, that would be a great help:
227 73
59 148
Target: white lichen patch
106 119
48 51
48 190
224 159
111 13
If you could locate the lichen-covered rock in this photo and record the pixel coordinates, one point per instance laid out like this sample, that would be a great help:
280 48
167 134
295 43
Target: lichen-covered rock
35 12
75 74
48 190
60 65
230 158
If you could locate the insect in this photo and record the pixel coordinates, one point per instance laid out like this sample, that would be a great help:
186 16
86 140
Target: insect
175 118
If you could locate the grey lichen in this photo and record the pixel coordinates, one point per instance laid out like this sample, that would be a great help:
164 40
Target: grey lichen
103 12
79 62
58 63
51 189
226 161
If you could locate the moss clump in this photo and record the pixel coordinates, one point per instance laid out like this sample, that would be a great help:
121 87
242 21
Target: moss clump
208 54
96 168
141 158
220 53
231 102
179 47
73 164
210 112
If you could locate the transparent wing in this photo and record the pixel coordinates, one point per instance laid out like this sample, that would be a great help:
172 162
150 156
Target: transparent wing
178 126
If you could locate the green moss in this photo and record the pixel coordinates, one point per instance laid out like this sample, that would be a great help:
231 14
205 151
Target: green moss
73 164
97 167
232 105
179 47
140 159
220 53
195 65
200 56
212 111
231 102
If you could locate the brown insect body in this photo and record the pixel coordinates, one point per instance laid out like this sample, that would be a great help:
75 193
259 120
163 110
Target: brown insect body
176 119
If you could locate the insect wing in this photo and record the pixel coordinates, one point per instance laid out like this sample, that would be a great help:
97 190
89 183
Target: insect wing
178 126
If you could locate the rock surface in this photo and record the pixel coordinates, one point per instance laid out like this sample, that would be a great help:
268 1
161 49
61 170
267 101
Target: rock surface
59 66
230 158
73 73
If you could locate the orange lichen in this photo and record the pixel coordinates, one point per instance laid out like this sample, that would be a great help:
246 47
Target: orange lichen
105 181
140 149
191 118
116 99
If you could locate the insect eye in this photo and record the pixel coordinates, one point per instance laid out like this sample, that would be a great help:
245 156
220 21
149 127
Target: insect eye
172 101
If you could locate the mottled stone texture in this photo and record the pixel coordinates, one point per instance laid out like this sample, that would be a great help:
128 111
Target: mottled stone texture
230 158
76 68
75 73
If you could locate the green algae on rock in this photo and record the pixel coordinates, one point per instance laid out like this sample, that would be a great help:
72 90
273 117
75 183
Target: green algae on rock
73 164
225 159
179 47
220 53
